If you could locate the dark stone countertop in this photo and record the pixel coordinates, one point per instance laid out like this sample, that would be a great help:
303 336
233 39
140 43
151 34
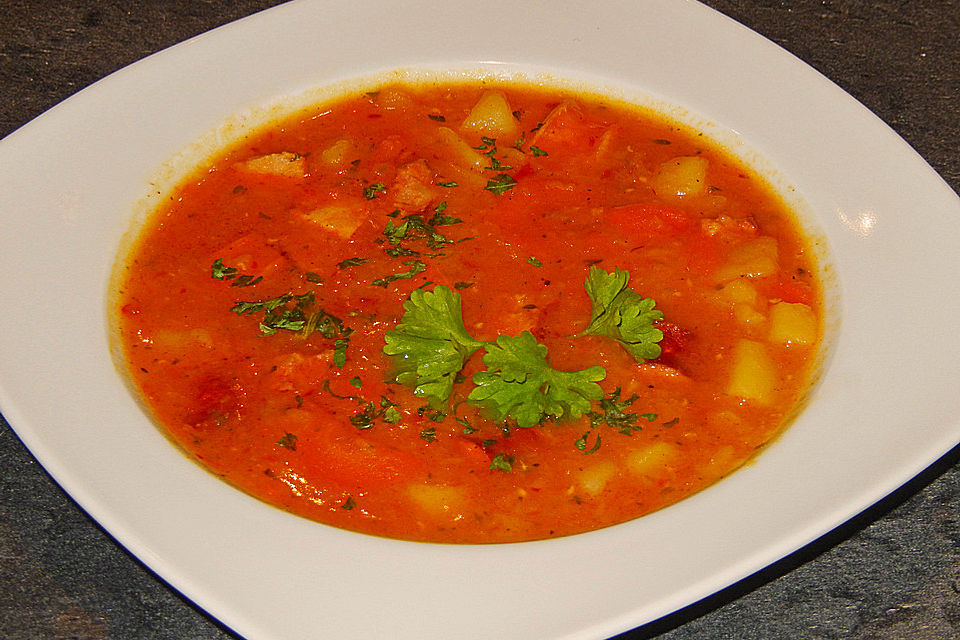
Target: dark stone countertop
891 573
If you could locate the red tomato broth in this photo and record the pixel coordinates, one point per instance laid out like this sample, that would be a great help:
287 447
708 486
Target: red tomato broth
272 414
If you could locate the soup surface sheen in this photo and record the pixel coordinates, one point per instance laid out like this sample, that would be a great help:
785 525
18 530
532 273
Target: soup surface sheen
471 313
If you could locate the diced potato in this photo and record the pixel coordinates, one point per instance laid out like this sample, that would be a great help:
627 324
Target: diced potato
754 258
456 150
722 462
753 376
594 478
651 459
739 291
437 499
792 323
341 220
683 176
291 165
491 116
339 153
747 315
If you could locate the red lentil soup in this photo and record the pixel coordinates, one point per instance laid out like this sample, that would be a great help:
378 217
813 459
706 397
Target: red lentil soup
471 313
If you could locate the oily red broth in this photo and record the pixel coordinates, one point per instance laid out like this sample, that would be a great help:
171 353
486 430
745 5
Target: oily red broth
255 308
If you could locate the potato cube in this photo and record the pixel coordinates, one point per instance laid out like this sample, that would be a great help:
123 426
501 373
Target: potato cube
792 323
683 176
594 478
339 219
339 153
456 150
291 165
437 500
651 459
739 291
754 258
491 116
747 315
753 375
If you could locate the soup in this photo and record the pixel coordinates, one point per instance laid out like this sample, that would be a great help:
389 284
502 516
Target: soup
471 312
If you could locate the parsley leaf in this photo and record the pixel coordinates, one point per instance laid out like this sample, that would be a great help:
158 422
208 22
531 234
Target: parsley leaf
416 266
370 191
352 262
220 271
519 384
288 441
622 314
581 444
430 344
614 414
502 462
277 314
500 184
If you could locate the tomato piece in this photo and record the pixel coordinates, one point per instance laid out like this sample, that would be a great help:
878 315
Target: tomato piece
790 290
675 338
567 132
217 401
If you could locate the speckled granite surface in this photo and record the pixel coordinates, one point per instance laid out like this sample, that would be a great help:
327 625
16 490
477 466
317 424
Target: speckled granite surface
892 573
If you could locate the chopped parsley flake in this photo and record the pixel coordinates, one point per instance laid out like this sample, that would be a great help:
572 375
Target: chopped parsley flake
500 184
288 441
370 191
502 462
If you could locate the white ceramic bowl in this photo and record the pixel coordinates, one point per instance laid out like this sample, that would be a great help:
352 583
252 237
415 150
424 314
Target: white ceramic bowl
885 408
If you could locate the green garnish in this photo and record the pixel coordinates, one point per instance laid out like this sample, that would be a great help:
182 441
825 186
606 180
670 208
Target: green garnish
502 462
447 184
315 278
430 344
340 352
519 384
416 266
622 314
356 382
581 444
352 262
537 151
534 261
348 504
500 184
614 415
288 441
429 434
414 227
370 191
277 315
467 427
220 271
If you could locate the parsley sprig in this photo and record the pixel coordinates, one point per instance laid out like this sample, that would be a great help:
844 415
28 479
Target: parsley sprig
519 383
430 346
622 314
